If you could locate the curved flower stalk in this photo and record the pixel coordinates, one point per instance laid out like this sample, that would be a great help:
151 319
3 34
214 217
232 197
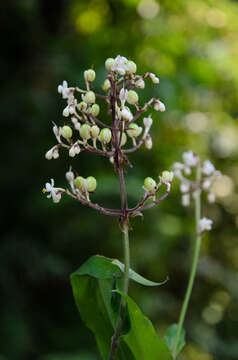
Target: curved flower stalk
85 131
195 177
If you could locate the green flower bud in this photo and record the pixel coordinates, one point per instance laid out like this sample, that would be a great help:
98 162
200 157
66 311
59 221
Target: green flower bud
106 85
109 64
85 131
95 110
132 97
105 135
91 183
94 131
149 184
134 131
89 75
131 66
82 106
89 97
167 176
67 132
123 138
79 182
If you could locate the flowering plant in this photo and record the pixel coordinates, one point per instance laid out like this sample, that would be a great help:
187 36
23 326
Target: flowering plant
100 286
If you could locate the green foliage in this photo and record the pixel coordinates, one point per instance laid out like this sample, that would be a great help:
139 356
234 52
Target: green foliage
94 285
170 336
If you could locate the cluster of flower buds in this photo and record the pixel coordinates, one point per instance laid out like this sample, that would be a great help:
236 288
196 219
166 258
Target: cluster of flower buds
83 130
190 187
80 187
151 186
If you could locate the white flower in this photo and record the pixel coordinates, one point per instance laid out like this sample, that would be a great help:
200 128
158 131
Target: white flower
186 200
57 132
64 90
69 176
148 122
126 114
55 193
70 108
208 168
53 153
120 65
159 106
148 142
189 158
140 84
205 224
206 184
178 166
154 78
185 186
123 96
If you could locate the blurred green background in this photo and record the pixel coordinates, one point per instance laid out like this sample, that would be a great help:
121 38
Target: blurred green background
192 46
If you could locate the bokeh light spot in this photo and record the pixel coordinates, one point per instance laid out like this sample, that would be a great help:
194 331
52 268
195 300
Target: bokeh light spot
148 9
223 186
89 21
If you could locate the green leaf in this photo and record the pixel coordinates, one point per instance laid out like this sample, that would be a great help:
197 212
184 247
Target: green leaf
138 278
142 338
93 284
170 336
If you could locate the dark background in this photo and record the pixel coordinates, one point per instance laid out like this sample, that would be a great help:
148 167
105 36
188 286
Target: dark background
192 46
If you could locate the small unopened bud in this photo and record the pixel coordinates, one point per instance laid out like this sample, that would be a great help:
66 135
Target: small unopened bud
148 142
159 106
91 183
89 75
77 148
79 182
72 152
167 176
69 176
94 131
131 67
109 64
74 120
95 110
123 138
85 131
55 153
126 114
140 84
77 126
106 85
82 106
149 184
49 154
123 95
89 97
105 135
66 111
147 122
134 131
154 78
132 97
66 132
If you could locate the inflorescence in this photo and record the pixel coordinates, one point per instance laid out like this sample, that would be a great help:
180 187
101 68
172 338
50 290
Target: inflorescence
191 187
84 131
